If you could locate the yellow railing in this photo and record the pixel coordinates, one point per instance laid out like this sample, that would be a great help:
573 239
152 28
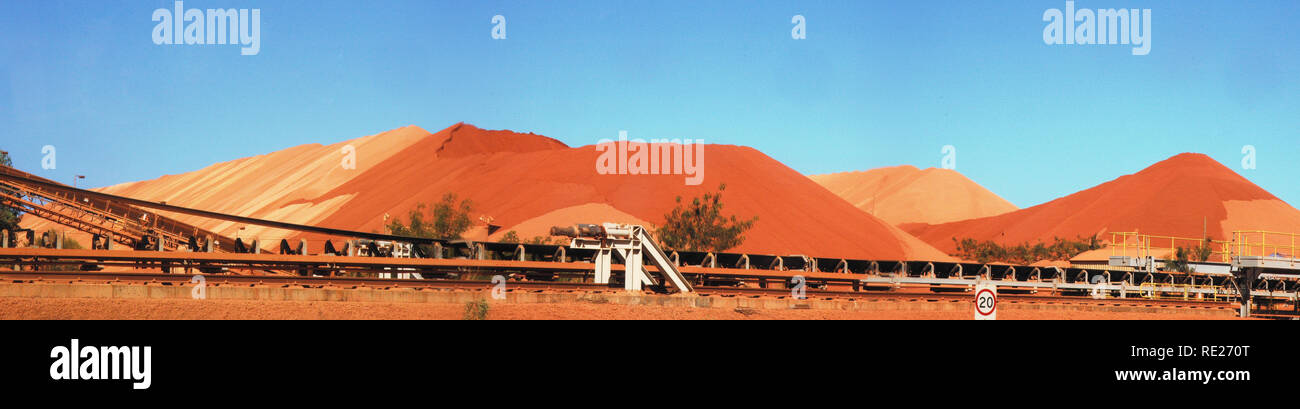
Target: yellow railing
1121 242
1182 291
1247 243
1260 243
1133 244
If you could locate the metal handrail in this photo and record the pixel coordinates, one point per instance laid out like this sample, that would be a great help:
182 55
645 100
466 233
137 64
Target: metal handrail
1282 247
1142 244
1148 290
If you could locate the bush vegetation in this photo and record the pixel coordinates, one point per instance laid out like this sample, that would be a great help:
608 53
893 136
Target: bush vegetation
989 251
1182 257
476 310
450 220
513 237
510 237
700 225
8 215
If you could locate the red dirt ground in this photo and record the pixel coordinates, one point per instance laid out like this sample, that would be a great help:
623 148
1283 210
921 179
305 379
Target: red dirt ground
89 308
1172 198
513 178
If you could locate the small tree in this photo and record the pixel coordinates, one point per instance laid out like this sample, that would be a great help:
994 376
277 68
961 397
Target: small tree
450 220
510 237
9 219
540 240
1180 262
1206 250
1182 257
513 237
8 216
476 310
700 226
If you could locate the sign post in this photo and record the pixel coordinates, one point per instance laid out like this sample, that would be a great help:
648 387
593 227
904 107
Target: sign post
986 301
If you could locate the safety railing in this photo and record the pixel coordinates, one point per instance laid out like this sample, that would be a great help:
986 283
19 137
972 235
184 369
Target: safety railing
1157 291
1133 244
1269 244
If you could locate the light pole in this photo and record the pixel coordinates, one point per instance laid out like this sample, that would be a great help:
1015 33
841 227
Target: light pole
74 180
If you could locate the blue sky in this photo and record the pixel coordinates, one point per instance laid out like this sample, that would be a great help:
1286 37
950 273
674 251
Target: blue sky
874 84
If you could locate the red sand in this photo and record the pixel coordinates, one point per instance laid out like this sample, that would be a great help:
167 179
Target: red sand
1172 198
91 308
281 185
795 215
905 194
514 178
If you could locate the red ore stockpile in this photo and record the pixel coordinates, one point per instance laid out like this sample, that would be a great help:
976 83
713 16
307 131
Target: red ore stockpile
906 194
1187 195
520 182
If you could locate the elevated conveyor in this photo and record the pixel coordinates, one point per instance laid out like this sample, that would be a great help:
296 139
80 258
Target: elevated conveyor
99 214
634 246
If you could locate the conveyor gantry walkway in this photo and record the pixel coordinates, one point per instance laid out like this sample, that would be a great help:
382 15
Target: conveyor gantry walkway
116 221
1253 258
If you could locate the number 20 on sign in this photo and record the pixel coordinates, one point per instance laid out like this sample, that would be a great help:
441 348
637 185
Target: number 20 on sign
986 302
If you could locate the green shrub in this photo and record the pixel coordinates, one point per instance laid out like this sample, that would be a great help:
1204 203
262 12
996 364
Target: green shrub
700 226
510 237
450 220
543 240
476 310
985 251
8 215
1182 258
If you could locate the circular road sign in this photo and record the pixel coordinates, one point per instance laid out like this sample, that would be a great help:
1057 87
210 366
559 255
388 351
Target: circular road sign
986 302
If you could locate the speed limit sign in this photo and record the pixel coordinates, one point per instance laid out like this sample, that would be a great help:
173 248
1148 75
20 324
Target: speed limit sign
986 301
